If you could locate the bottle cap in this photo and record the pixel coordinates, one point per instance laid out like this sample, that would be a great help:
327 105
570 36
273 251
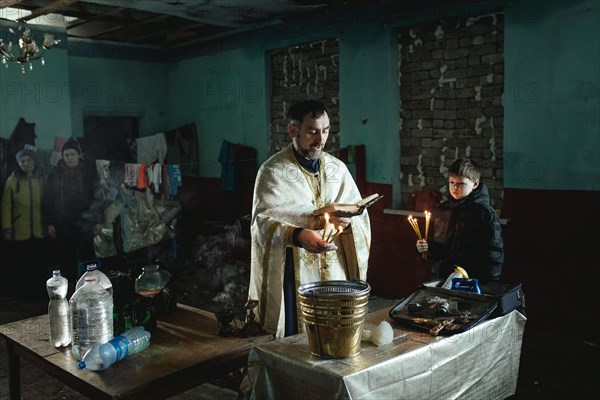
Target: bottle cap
90 265
461 271
81 365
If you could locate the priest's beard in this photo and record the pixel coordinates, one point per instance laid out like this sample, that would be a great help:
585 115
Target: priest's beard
310 153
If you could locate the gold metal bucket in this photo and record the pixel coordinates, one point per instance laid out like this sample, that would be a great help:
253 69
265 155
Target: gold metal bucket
334 315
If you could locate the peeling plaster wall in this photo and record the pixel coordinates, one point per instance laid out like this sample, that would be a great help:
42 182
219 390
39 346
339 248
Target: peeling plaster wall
301 72
451 78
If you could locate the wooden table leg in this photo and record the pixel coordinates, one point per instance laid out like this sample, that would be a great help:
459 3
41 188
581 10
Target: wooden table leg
14 372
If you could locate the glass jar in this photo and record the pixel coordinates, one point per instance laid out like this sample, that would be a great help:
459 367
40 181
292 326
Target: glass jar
151 281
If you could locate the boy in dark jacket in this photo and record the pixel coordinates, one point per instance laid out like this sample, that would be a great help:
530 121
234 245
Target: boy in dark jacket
466 230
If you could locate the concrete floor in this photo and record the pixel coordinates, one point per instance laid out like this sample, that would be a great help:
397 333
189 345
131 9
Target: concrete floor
552 366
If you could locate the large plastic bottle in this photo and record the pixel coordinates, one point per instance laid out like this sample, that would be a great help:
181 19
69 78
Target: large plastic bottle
93 271
91 316
102 355
458 273
58 310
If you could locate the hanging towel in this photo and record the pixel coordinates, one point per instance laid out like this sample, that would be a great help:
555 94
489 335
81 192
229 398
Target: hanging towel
174 179
228 179
142 181
182 145
131 173
151 149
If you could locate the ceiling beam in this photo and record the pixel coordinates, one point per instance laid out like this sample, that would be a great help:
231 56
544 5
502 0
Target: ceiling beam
171 34
56 5
8 3
130 26
109 13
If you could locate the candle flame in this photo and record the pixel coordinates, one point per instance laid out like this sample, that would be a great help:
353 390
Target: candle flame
326 216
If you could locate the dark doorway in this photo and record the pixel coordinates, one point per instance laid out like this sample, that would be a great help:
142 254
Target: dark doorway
108 137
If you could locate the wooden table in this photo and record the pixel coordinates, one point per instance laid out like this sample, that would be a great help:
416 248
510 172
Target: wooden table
184 352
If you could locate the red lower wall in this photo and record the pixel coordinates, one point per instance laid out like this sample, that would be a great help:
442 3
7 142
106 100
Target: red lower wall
550 247
395 267
205 204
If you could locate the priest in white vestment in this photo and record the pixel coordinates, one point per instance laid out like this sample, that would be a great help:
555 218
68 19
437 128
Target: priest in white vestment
288 245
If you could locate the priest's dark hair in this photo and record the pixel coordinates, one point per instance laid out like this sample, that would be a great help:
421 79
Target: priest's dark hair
297 111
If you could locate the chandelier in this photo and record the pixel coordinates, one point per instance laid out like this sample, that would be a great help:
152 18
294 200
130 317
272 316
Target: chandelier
28 50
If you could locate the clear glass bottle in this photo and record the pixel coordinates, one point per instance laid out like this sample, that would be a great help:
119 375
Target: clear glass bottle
58 310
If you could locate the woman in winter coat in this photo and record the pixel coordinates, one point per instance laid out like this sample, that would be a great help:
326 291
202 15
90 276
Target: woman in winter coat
22 223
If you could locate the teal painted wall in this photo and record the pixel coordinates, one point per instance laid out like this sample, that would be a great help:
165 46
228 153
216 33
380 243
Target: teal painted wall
40 95
225 96
112 87
370 100
552 75
552 95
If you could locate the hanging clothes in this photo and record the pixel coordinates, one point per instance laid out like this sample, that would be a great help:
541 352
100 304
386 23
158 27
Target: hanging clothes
131 174
228 174
245 159
151 149
175 181
182 149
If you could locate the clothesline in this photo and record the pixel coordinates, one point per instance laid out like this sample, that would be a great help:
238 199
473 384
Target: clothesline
162 178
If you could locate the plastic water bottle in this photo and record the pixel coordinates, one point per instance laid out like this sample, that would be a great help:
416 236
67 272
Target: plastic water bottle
91 316
58 310
102 355
93 271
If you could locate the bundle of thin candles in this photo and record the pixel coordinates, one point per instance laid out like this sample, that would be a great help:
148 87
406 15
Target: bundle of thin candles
337 233
413 223
415 226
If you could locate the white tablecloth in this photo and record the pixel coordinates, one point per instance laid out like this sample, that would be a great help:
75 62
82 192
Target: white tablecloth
482 363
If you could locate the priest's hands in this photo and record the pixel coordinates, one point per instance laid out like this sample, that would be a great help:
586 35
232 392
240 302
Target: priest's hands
312 242
340 221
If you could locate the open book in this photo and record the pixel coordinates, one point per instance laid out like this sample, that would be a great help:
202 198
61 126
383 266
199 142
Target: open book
348 210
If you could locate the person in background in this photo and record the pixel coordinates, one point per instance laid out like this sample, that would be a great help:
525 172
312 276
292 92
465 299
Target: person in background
466 230
22 226
288 248
68 194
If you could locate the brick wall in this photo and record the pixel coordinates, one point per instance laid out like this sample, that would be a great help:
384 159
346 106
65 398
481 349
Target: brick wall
304 72
451 77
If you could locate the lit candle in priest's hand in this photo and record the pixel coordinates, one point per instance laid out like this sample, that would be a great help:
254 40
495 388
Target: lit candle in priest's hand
326 216
330 233
339 232
427 219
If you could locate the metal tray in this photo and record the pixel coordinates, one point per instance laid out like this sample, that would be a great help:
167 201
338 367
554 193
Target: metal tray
442 312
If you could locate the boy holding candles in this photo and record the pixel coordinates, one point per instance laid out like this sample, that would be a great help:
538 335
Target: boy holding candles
465 229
